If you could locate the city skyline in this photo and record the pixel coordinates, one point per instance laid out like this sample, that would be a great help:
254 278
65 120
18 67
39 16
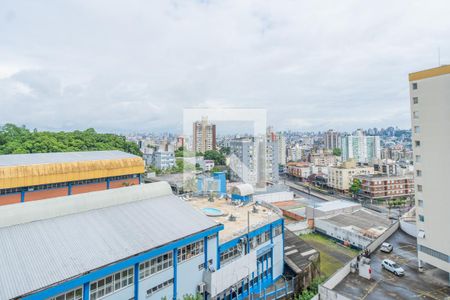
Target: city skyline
128 68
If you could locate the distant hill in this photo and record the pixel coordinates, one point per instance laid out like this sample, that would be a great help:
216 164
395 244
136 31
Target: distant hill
16 139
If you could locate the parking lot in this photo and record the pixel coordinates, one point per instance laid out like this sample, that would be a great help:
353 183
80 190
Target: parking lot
430 284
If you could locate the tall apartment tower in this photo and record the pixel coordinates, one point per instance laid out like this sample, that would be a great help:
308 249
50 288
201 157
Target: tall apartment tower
430 115
362 148
204 136
332 139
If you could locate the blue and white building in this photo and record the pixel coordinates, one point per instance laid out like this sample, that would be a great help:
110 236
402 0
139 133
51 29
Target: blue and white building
138 242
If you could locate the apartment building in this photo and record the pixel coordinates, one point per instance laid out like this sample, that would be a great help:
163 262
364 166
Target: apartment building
380 187
360 147
341 178
332 139
204 136
430 115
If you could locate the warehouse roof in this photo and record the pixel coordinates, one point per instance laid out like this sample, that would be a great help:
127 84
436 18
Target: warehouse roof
60 157
19 170
92 231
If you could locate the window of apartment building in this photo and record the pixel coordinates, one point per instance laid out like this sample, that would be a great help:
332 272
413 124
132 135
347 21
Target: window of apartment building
75 294
421 218
419 188
414 86
190 251
418 158
159 287
416 129
420 203
415 100
434 253
111 283
418 173
230 254
155 265
415 114
417 143
276 231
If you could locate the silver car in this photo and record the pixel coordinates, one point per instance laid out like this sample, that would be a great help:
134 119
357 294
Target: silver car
391 266
386 247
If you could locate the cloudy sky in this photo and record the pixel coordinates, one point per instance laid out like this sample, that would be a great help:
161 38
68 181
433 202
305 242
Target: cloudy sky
135 65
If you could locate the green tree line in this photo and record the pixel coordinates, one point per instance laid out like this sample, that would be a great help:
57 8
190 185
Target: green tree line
18 139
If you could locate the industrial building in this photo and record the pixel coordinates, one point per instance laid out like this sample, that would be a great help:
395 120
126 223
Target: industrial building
36 176
138 242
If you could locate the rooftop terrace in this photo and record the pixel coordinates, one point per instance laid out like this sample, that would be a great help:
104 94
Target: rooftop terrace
264 214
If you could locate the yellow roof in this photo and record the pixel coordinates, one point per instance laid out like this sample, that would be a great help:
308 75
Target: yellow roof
14 176
442 70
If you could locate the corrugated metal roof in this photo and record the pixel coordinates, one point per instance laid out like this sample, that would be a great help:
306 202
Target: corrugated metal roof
37 254
60 157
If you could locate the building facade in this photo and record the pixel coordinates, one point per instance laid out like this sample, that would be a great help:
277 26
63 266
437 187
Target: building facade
153 246
332 139
430 107
204 136
381 187
341 178
362 148
29 177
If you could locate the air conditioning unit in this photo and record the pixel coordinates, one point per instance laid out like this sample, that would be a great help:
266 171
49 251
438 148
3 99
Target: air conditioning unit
201 288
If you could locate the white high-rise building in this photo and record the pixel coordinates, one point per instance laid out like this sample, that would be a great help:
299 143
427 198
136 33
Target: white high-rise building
430 114
282 149
362 148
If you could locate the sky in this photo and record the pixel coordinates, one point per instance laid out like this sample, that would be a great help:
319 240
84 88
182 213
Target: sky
127 66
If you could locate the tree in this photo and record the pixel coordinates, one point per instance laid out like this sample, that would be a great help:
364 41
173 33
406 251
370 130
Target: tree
216 156
15 139
337 152
355 188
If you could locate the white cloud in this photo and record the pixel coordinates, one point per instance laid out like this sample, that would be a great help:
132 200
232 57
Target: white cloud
134 65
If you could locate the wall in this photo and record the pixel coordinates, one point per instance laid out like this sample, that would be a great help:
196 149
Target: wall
124 294
85 188
189 276
342 234
121 183
10 199
274 197
44 194
278 256
154 280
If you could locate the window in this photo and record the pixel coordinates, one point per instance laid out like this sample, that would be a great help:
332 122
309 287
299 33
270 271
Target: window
276 231
75 294
259 239
414 86
419 173
230 254
415 114
419 188
111 283
416 129
418 158
159 287
433 253
155 265
417 143
421 218
190 251
420 203
415 100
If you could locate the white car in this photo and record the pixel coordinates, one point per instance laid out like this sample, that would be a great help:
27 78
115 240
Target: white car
386 247
391 266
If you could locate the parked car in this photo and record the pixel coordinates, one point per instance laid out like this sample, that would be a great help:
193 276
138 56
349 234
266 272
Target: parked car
391 266
386 247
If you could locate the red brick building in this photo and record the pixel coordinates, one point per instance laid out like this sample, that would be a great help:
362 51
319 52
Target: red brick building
380 187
